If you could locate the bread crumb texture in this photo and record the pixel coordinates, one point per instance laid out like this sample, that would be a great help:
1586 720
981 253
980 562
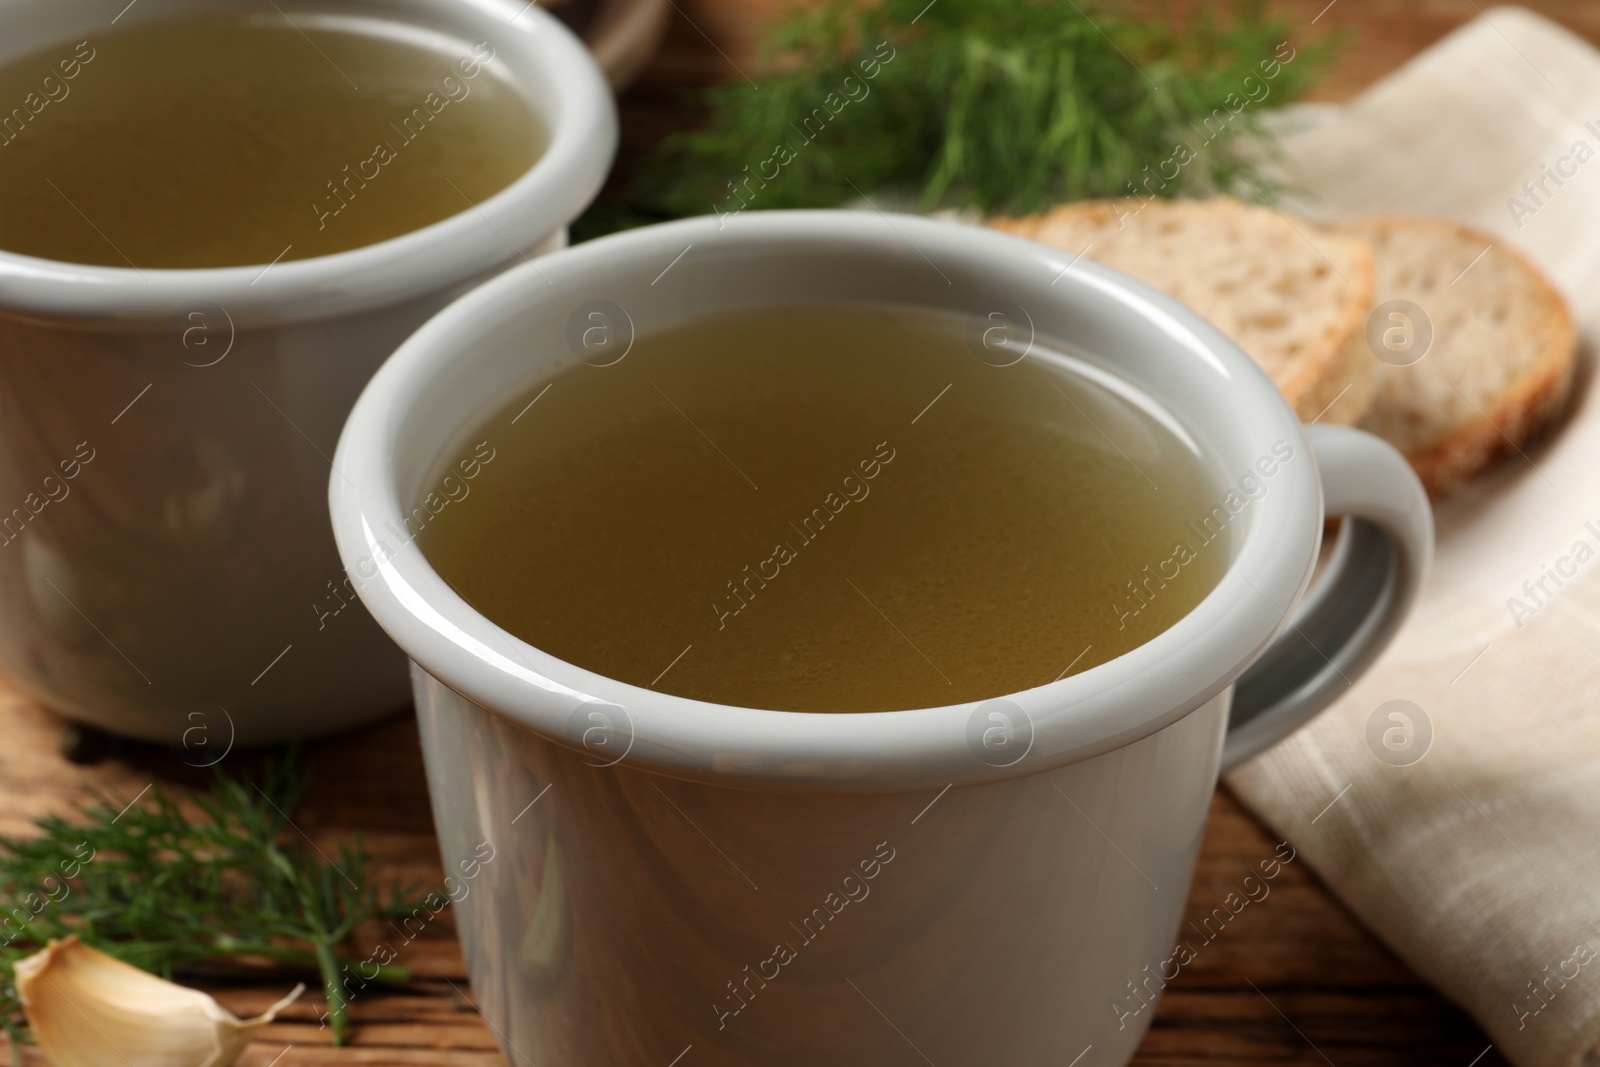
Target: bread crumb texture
1501 362
1292 295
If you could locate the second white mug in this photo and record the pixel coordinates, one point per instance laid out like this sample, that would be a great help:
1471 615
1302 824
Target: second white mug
166 570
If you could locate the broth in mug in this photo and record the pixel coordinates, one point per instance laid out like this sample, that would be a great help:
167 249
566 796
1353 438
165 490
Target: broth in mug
228 139
828 509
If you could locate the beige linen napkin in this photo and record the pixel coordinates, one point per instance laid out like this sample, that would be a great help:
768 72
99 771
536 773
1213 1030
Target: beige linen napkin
1479 864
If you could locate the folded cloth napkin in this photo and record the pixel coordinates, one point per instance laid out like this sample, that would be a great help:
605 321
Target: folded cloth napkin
1479 862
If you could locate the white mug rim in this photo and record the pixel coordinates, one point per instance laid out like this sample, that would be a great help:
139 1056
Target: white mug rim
1086 714
582 135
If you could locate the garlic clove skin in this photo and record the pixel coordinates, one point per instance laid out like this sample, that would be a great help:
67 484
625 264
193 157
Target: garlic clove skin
87 1009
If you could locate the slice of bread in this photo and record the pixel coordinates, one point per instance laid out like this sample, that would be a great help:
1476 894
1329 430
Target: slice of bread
1291 295
1503 351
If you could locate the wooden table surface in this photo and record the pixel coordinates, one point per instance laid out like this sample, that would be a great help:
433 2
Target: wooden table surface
1293 979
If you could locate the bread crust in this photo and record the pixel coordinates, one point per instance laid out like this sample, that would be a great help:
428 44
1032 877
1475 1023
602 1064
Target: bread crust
1532 402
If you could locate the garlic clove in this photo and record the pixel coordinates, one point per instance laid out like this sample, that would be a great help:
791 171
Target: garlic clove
87 1009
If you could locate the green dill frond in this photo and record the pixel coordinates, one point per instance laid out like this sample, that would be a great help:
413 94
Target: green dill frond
997 105
176 879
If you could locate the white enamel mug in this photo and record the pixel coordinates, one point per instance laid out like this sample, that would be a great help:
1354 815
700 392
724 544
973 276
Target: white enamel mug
640 877
166 570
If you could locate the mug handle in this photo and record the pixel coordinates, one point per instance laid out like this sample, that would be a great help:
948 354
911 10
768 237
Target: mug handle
1378 564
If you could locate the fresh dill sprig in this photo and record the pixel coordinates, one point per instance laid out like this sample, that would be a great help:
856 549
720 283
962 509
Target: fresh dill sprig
172 880
998 105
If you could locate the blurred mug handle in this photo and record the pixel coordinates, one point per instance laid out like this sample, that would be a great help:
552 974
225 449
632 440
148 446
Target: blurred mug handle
1334 634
